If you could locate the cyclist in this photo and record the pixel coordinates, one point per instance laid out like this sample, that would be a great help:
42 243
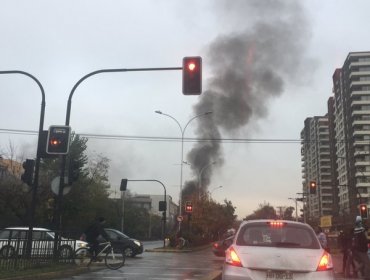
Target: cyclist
92 233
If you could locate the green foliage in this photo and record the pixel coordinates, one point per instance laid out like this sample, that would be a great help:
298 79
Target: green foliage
265 211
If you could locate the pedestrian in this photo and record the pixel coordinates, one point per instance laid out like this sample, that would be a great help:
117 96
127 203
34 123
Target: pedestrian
322 238
92 234
345 243
359 248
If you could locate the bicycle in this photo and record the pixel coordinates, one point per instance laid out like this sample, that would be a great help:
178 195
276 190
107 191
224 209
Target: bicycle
114 258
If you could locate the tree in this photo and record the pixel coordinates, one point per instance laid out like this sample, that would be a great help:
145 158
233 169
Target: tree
288 213
265 211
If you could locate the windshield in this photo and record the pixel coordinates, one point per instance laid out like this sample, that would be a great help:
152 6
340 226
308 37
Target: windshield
177 121
286 236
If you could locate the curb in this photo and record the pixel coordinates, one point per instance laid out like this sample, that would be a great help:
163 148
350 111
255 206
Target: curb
55 274
215 275
170 250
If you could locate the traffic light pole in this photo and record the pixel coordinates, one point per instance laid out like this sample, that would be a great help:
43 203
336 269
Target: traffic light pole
37 163
165 200
57 214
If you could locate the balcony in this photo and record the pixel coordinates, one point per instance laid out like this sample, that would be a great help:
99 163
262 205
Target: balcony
359 83
360 122
360 112
361 132
358 64
359 74
360 92
360 102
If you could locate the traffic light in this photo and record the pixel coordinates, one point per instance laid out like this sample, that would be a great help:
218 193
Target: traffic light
192 75
123 186
313 187
27 176
58 139
363 211
162 206
73 171
188 207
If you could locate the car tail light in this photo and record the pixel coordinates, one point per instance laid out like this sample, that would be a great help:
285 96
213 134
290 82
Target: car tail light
368 245
276 224
232 257
215 245
326 263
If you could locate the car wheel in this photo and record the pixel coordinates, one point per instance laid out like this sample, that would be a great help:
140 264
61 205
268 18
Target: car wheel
129 252
65 252
7 251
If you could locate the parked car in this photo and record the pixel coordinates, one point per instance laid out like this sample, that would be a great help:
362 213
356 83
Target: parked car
219 247
131 247
269 249
13 241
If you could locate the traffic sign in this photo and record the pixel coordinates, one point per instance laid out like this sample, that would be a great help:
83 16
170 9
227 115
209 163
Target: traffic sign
180 218
55 186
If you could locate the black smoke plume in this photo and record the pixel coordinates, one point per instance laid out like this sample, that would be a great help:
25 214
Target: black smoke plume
248 68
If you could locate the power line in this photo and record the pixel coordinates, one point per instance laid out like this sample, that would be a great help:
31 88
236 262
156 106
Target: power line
164 139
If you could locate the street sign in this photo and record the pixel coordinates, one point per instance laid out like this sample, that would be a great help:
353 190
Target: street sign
55 186
180 218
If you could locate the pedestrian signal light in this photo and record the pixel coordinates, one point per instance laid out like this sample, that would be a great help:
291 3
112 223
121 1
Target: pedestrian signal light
58 139
188 207
192 75
363 211
313 187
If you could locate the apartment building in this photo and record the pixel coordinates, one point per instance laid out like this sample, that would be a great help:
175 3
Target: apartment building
351 88
316 166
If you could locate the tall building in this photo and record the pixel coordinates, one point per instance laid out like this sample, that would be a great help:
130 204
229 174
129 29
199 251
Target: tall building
316 166
351 87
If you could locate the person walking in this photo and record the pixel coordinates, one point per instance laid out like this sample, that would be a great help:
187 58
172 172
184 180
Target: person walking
359 248
322 237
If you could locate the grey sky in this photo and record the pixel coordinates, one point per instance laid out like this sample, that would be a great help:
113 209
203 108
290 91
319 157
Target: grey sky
61 41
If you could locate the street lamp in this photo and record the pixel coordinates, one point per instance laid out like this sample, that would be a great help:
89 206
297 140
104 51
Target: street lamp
200 176
296 213
210 193
182 146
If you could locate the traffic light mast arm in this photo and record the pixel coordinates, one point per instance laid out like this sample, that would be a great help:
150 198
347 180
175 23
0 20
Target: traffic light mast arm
69 105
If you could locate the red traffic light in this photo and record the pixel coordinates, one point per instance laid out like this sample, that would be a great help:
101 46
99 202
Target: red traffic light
192 75
363 211
313 187
188 207
58 139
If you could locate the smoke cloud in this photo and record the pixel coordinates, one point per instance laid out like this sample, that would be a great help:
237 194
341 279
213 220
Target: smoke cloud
248 68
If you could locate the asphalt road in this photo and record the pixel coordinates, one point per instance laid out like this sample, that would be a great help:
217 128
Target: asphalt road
160 265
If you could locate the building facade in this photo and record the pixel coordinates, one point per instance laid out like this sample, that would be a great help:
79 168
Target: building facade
316 166
336 148
351 87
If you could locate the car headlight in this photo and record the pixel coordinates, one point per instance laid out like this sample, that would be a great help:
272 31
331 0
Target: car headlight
81 244
137 243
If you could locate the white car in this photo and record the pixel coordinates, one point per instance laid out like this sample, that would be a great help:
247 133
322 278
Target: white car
270 249
13 241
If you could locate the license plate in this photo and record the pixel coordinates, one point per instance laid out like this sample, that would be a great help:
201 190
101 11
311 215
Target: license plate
279 275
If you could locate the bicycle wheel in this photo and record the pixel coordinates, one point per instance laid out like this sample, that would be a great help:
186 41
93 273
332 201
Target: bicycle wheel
114 258
83 257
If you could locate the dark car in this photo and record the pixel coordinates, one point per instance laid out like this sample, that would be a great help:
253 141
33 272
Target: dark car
219 247
131 247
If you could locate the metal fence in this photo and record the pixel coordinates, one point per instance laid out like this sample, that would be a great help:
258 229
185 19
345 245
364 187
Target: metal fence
15 253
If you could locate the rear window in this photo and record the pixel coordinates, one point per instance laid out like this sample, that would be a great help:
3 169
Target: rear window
285 236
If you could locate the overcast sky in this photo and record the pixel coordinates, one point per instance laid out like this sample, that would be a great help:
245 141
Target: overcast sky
267 66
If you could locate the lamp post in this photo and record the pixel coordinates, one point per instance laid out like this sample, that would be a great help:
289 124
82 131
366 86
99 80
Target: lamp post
182 147
200 176
296 211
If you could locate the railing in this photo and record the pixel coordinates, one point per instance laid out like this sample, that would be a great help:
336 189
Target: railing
14 254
